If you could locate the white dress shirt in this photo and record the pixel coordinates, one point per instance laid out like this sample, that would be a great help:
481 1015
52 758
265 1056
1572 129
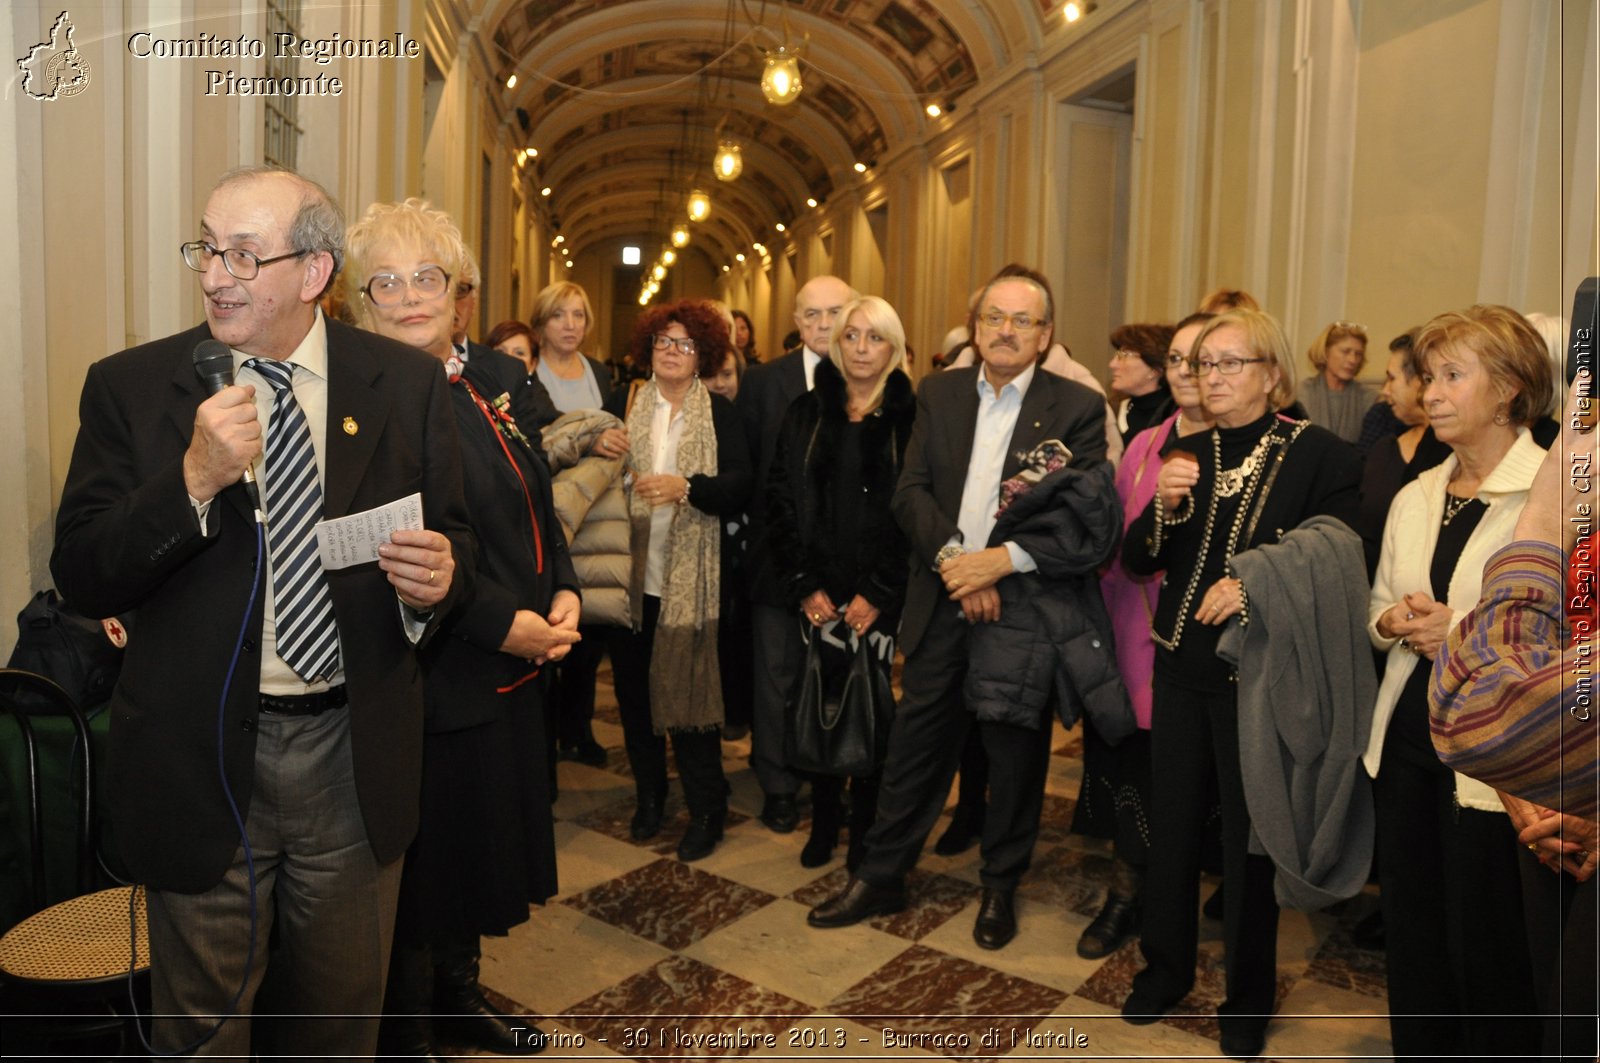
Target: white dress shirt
666 432
810 359
980 497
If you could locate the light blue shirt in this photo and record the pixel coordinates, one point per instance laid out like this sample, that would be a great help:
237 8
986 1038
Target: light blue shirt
980 497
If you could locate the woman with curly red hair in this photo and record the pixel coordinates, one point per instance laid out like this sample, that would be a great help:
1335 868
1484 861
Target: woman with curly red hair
690 468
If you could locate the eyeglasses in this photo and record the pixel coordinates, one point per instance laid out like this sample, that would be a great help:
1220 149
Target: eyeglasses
661 341
1021 322
813 314
1176 360
388 289
241 265
463 289
1127 356
1225 366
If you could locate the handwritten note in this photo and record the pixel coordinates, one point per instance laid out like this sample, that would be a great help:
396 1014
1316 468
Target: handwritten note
354 540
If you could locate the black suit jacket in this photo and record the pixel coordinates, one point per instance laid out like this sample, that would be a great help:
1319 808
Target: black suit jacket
927 501
519 566
765 395
127 539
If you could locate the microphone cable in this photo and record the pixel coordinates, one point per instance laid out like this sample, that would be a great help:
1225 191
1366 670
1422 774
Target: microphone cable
244 840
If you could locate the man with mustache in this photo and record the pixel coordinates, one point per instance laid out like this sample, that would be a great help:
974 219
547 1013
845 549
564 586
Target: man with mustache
973 429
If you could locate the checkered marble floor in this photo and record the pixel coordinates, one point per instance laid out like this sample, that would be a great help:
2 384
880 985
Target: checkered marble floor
643 956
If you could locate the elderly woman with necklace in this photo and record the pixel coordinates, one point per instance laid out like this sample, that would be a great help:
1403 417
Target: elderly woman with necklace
1255 476
1452 891
690 469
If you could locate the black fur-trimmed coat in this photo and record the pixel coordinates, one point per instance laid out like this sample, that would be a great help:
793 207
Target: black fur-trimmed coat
801 493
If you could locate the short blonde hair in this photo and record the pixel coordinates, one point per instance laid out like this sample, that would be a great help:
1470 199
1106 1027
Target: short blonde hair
1265 339
1339 330
1511 350
413 223
548 301
884 321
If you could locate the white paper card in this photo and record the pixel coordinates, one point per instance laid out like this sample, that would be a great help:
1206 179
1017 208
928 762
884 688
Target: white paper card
354 540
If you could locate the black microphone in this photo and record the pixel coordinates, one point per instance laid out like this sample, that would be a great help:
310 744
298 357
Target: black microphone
213 364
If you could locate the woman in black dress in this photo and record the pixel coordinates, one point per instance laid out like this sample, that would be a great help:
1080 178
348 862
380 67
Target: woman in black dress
1254 476
485 847
836 547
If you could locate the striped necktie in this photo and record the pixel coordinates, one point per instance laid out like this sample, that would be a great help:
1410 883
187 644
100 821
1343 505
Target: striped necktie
308 637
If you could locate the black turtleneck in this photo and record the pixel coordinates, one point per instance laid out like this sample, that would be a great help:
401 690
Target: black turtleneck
1146 411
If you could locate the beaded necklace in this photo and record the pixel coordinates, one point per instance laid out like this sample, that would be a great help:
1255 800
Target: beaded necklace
1244 480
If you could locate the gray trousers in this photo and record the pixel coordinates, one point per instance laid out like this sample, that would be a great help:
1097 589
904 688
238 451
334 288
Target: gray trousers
779 653
317 884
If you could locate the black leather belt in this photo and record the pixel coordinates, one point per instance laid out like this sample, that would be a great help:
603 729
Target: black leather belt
305 704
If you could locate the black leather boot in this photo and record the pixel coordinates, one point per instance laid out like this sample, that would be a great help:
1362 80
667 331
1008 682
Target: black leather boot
461 1014
824 822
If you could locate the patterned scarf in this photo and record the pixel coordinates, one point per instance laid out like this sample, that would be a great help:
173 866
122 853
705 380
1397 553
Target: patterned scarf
685 685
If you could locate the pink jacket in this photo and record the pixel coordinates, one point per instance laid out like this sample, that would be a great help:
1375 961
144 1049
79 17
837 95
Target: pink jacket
1131 600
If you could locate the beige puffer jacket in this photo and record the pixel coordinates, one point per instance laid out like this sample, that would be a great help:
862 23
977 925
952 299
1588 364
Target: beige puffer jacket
593 510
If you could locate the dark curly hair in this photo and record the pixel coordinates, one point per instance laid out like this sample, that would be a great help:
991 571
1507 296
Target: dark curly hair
698 318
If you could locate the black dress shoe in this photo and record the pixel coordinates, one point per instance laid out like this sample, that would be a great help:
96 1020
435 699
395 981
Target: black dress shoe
702 836
965 830
587 752
1243 1044
647 813
1145 1006
779 813
1117 921
860 900
997 919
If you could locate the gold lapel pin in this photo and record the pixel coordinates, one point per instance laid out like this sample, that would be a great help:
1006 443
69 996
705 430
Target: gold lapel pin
1035 424
351 428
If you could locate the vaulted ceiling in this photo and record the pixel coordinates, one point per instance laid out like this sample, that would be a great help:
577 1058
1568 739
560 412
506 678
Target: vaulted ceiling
624 99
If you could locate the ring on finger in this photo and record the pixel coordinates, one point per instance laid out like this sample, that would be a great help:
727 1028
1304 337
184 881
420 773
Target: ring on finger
431 574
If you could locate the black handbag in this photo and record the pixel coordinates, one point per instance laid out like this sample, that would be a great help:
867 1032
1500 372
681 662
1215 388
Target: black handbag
839 724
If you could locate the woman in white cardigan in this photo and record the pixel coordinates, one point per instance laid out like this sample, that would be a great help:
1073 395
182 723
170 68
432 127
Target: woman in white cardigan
1447 851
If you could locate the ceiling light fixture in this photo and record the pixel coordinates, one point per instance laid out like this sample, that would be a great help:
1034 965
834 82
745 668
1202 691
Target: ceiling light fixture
680 236
699 206
780 227
780 77
934 110
811 201
511 82
668 256
1076 9
729 164
545 191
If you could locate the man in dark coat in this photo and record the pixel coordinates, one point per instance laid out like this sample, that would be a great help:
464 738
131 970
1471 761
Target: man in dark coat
764 397
972 430
322 757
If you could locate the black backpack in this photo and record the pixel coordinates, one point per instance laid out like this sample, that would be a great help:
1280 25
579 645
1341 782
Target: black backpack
68 647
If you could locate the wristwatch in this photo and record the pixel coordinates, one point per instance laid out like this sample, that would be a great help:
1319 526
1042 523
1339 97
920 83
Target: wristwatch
948 552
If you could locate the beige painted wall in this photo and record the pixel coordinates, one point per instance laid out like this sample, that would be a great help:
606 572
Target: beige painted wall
1370 181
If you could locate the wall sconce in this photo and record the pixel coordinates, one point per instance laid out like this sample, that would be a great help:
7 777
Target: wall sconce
680 236
729 164
699 206
780 79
